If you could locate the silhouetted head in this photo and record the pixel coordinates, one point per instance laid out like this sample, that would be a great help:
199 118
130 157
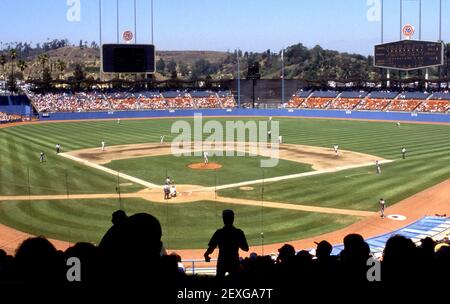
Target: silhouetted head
38 260
286 253
355 248
119 217
323 250
228 217
144 234
398 248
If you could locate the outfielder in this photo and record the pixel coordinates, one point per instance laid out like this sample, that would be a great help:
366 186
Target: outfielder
58 148
403 152
378 167
42 157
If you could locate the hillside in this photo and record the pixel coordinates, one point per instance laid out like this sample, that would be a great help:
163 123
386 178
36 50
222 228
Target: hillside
312 64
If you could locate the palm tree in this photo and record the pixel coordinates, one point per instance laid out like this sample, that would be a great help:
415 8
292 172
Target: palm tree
43 59
13 56
61 66
3 62
22 65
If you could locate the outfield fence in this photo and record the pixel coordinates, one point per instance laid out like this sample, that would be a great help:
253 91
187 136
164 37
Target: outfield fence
336 114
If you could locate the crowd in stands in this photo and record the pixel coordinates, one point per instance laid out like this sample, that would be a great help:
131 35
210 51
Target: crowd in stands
6 118
131 252
438 102
119 101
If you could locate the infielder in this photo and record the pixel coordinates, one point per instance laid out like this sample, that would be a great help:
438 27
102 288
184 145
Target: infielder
205 157
382 207
378 167
103 145
58 148
162 140
336 149
280 139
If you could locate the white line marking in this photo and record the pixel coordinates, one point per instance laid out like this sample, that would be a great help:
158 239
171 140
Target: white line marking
110 171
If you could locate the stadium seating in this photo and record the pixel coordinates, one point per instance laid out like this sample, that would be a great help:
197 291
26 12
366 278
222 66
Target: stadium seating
298 98
120 101
206 100
6 118
319 100
407 101
439 102
347 100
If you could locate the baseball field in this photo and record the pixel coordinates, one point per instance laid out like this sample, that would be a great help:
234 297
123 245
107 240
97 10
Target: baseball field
311 191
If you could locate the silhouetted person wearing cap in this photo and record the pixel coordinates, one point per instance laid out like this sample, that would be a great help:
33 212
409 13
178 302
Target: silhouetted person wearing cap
119 218
229 239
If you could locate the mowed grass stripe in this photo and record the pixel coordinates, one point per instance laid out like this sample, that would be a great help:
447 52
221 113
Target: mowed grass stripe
177 221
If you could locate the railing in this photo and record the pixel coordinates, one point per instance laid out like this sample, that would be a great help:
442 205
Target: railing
192 267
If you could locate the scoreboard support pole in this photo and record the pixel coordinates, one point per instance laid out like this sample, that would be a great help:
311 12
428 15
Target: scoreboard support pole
427 76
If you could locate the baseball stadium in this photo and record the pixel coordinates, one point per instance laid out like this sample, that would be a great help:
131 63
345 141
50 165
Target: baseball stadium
360 159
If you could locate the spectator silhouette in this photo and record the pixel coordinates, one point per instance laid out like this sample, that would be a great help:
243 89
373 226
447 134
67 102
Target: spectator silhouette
325 267
119 218
399 256
354 258
229 239
38 262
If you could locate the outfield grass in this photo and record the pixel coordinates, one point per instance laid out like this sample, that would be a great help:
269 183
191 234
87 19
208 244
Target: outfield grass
184 226
234 169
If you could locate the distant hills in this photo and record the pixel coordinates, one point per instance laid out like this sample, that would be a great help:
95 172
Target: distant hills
314 64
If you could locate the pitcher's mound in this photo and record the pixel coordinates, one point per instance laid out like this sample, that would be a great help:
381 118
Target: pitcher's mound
202 166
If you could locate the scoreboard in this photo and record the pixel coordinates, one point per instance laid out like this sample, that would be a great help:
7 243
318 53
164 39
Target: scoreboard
409 55
128 58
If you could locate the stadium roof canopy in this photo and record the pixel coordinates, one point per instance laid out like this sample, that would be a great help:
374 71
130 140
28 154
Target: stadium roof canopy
441 95
383 94
303 94
201 94
414 95
353 94
325 94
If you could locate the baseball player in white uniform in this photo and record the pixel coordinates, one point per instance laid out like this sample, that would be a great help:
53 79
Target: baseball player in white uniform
280 139
378 167
103 145
336 149
205 157
161 141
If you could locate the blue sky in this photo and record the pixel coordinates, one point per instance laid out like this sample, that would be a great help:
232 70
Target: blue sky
251 25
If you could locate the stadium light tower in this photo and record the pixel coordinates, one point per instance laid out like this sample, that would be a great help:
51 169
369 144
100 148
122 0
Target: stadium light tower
239 77
282 77
382 21
135 27
117 19
420 19
440 20
100 33
401 18
151 9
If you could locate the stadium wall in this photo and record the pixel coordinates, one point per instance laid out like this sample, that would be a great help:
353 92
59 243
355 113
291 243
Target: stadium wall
389 116
18 110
